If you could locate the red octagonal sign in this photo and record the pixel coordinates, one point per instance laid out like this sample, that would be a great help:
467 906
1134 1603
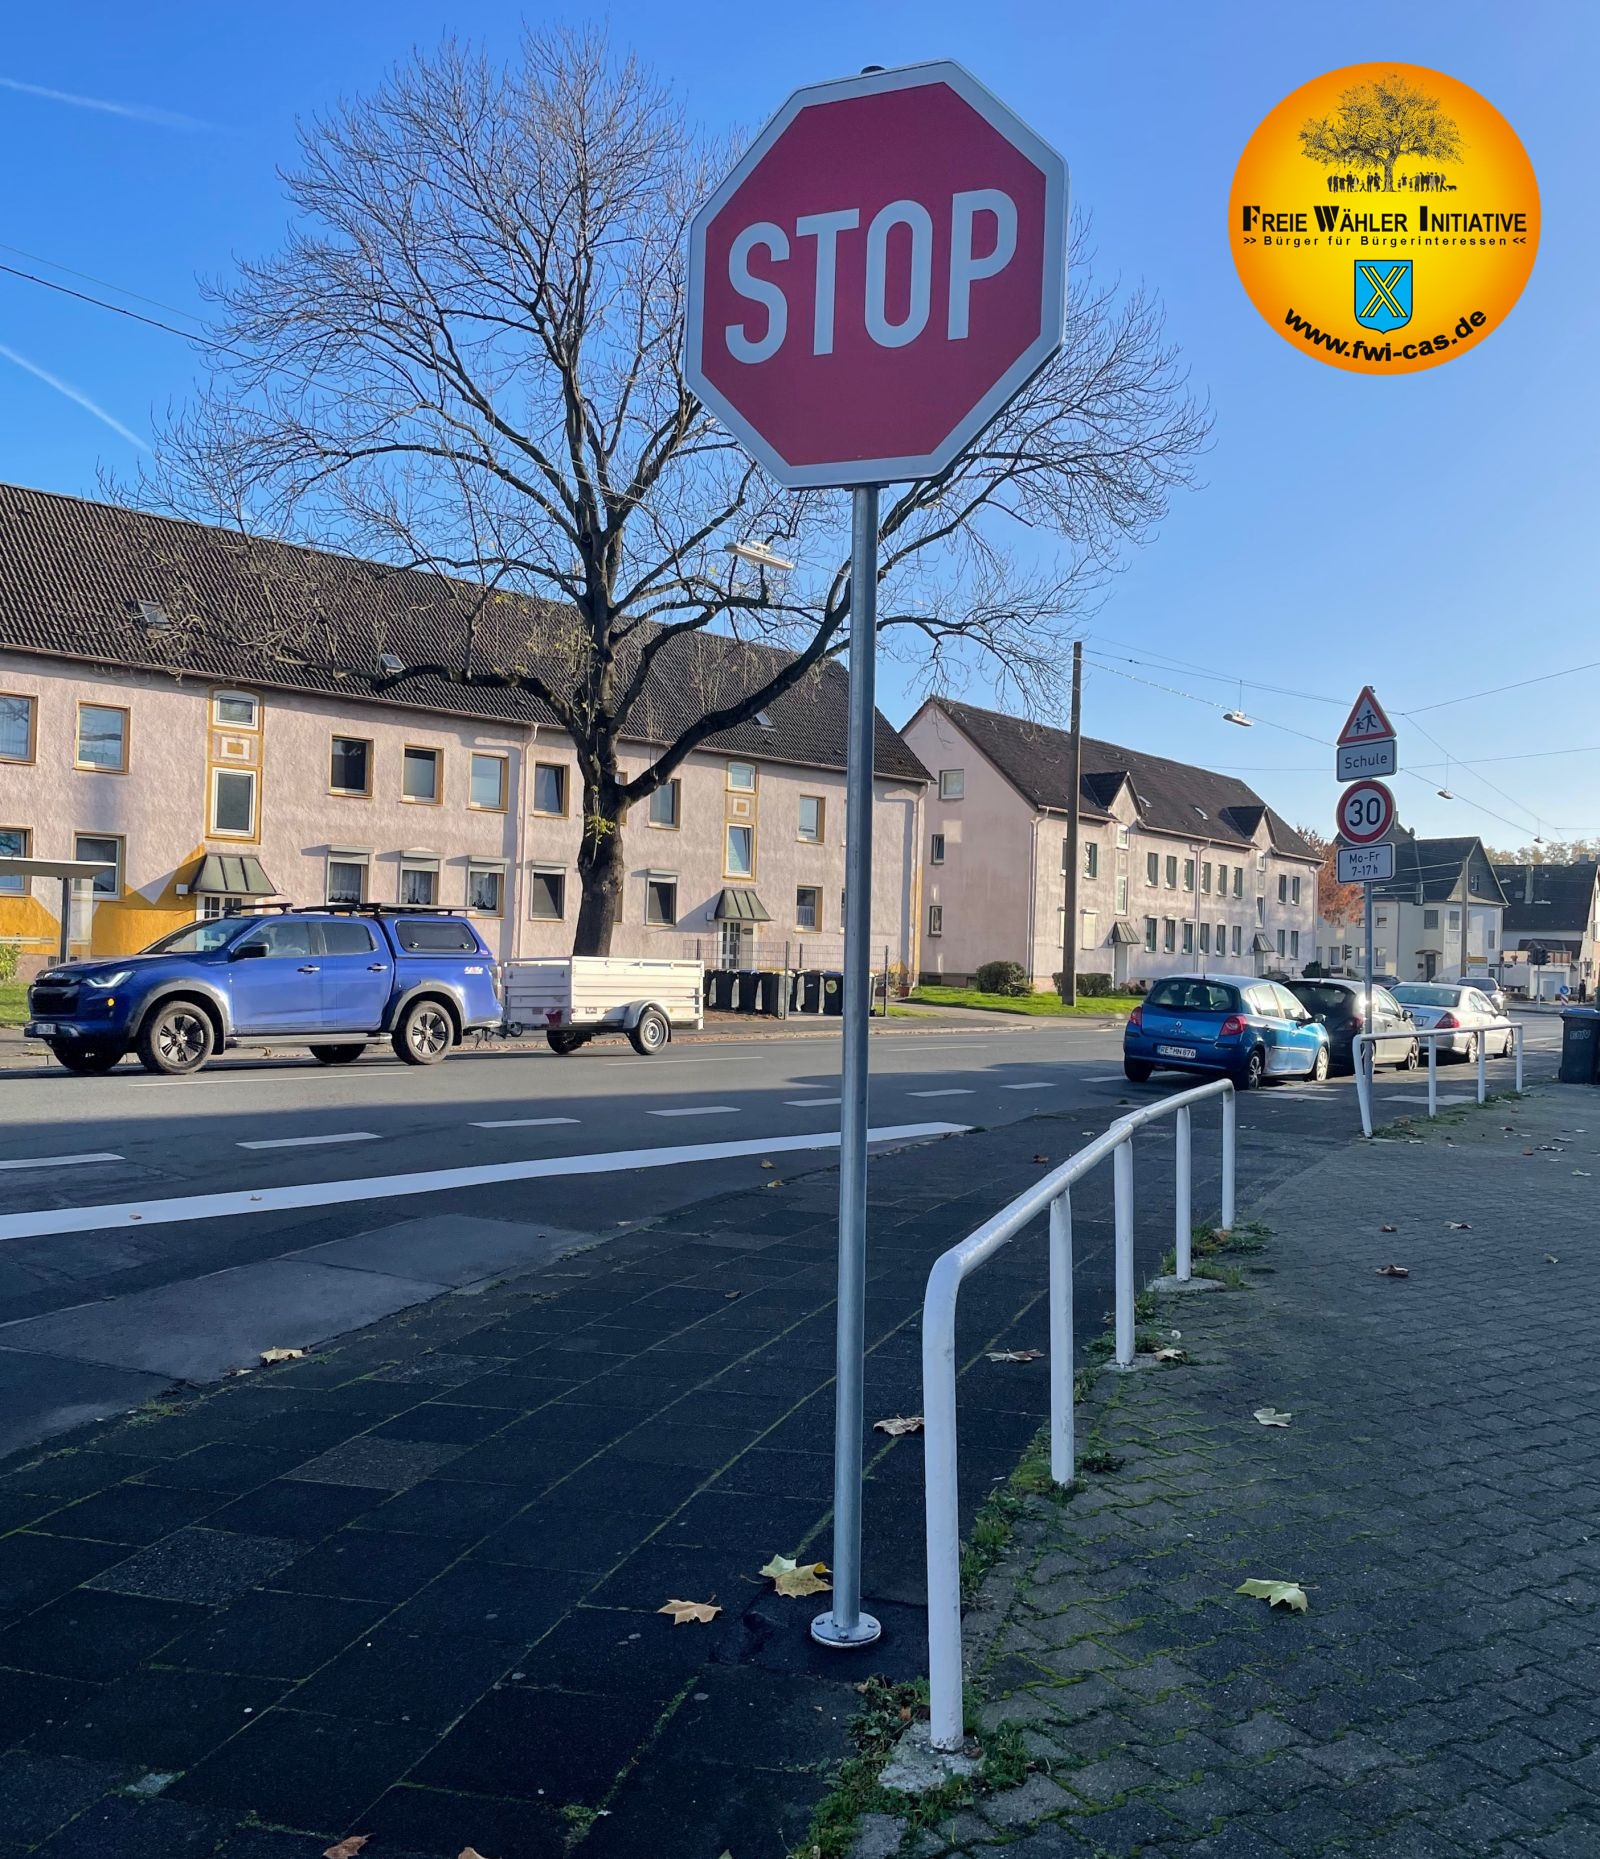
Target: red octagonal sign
878 276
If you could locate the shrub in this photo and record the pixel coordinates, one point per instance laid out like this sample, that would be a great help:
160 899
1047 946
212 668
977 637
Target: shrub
1002 978
10 956
1090 987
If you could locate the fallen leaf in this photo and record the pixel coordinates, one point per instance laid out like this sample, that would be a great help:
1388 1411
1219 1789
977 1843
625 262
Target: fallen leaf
791 1577
1015 1355
702 1613
469 1852
1276 1594
1582 1173
1170 1355
1394 1271
1551 1259
1272 1417
1041 1158
347 1849
901 1423
1527 1152
1388 1229
1457 1226
772 1184
281 1355
731 1295
767 1164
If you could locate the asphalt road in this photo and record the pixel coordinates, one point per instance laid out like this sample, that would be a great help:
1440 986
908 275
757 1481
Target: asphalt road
154 1229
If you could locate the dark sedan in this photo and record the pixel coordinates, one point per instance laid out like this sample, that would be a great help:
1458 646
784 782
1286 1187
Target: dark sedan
1343 1009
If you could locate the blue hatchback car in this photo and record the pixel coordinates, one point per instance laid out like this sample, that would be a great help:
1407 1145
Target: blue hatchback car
1241 1025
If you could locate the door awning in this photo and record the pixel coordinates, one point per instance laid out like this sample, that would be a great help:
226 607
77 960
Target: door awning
1123 934
739 904
224 874
1261 943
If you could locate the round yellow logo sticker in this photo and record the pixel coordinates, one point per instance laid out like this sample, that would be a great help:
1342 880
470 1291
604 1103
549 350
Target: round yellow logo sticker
1384 218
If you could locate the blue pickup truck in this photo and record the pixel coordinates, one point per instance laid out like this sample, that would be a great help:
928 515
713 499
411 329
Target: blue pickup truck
333 980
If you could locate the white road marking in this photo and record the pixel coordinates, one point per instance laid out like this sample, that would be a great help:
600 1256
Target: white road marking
1421 1097
63 1161
432 1181
1110 1078
522 1123
957 1091
310 1142
1045 1084
697 1110
809 1103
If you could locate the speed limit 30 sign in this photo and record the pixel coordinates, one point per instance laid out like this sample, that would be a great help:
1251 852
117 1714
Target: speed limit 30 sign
1366 812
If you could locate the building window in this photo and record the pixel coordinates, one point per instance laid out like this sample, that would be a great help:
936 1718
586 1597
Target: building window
1455 919
1169 935
1430 919
936 917
237 709
1205 878
1089 930
1294 890
936 849
14 842
1188 874
952 783
487 785
813 815
742 777
1121 836
1172 874
808 907
549 788
419 881
1188 937
1122 894
1091 860
96 849
420 780
1150 935
17 727
661 901
233 802
347 880
1222 939
1283 888
1488 936
1238 881
350 766
102 738
1238 939
1294 943
1261 910
1261 861
486 889
1281 938
547 895
1205 938
740 856
664 804
213 907
1152 868
1222 880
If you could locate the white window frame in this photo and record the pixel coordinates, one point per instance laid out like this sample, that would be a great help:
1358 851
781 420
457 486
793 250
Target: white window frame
936 849
952 784
936 919
121 844
1122 838
651 880
738 786
219 698
748 869
1152 869
485 868
251 775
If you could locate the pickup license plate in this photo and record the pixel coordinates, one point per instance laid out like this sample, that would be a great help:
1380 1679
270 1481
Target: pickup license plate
44 1029
1175 1052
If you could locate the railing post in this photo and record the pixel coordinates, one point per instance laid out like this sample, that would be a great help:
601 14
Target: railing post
1063 1432
1483 1068
1182 1217
941 1512
1516 1041
1363 1071
1433 1075
1230 1146
1122 1171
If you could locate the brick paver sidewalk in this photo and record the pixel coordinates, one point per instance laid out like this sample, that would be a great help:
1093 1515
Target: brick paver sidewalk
1437 1493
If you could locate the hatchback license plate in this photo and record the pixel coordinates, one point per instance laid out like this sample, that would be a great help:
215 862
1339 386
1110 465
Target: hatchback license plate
1175 1052
44 1029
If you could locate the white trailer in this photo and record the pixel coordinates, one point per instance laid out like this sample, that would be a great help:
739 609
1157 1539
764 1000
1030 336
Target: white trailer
574 997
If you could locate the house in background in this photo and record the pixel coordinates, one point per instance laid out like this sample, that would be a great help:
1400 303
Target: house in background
1553 912
1441 915
1181 867
141 728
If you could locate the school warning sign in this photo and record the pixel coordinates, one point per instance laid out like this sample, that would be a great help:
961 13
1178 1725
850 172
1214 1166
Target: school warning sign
1384 218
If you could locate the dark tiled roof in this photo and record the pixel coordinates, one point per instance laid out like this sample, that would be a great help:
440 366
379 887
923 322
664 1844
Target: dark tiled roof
1562 896
1036 760
1438 866
242 611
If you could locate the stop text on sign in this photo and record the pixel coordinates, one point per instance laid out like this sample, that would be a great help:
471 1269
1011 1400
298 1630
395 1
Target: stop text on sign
877 277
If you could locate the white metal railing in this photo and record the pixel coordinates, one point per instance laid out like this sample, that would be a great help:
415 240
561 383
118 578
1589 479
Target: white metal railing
1362 1058
1054 1193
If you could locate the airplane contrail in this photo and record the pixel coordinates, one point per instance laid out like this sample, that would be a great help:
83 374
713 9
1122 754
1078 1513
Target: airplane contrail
134 112
74 394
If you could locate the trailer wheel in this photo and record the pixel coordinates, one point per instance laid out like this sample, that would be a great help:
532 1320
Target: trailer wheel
650 1032
563 1040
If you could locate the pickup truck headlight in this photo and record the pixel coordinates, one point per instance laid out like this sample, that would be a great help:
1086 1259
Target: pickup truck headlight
113 980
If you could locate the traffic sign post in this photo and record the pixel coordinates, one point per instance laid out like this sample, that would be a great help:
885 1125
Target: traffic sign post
1366 748
1366 864
871 285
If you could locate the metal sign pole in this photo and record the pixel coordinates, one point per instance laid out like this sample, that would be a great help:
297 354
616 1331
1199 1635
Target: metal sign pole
1366 891
844 1624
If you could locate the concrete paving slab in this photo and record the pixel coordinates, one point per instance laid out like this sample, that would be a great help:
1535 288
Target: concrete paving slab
450 1249
199 1330
199 1565
40 1396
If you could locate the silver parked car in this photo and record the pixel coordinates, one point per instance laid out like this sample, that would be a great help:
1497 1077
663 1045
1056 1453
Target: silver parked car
1463 1011
1486 985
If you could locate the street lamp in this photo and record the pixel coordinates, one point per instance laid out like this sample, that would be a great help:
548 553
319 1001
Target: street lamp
758 553
1239 717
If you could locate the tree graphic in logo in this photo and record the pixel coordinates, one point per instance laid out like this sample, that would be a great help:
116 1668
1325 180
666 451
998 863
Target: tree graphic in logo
1376 125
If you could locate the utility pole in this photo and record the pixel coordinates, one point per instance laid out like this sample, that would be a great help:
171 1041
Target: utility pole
1069 920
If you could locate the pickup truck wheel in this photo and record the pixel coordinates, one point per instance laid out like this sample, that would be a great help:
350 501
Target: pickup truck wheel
562 1041
84 1058
337 1055
650 1032
176 1040
425 1033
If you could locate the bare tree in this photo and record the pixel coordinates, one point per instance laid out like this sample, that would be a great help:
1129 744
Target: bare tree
466 358
1379 123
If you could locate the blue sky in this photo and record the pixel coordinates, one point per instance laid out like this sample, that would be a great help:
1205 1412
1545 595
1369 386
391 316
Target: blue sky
1423 532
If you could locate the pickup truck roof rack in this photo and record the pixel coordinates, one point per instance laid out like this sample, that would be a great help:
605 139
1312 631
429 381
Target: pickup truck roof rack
354 910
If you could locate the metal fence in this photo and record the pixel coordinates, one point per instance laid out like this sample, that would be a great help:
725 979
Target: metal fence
1364 1044
1053 1193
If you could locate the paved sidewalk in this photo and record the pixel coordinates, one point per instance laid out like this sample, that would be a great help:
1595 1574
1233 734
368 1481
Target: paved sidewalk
1437 1494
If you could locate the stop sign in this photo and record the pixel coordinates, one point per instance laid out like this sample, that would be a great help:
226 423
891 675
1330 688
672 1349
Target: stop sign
877 277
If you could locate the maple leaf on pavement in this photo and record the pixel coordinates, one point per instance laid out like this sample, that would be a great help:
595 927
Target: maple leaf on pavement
901 1423
347 1849
1276 1594
792 1578
701 1613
